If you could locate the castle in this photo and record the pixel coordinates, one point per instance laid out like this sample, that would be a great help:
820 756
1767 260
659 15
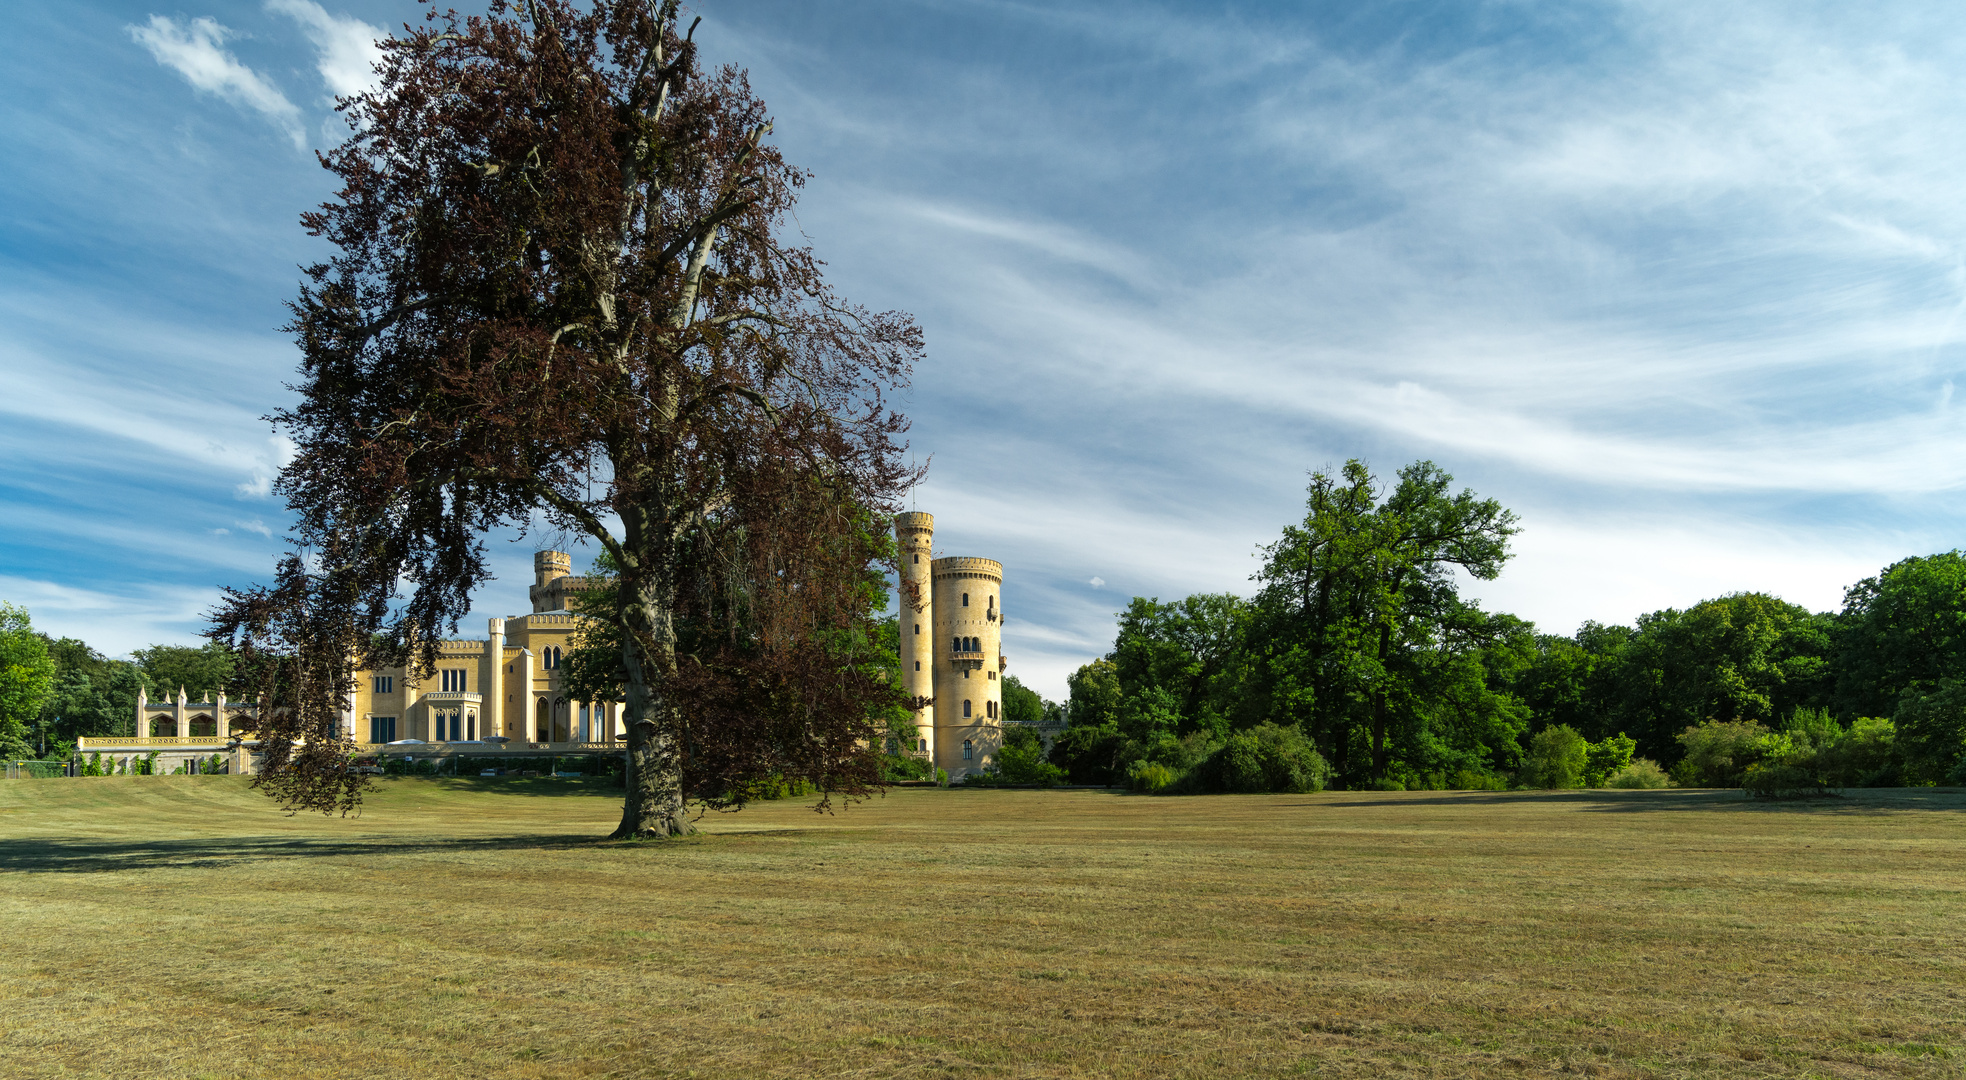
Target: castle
951 629
505 691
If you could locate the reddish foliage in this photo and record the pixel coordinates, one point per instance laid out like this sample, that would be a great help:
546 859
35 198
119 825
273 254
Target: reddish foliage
559 291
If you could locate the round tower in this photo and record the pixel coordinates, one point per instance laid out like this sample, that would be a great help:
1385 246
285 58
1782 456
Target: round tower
968 641
547 568
915 535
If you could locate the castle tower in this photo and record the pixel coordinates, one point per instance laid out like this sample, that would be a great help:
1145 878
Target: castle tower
915 535
968 645
548 568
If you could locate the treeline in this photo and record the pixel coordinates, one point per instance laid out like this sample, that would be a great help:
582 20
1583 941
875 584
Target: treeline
56 690
1358 642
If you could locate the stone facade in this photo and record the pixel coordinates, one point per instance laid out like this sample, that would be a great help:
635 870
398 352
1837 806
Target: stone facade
951 630
505 685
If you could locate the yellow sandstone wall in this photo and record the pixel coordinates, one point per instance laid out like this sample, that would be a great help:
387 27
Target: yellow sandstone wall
968 604
915 535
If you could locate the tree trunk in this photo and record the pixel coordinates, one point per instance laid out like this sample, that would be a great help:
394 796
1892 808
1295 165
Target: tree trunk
654 806
1379 706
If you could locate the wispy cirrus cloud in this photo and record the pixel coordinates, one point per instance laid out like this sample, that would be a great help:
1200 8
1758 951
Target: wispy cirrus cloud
345 46
195 49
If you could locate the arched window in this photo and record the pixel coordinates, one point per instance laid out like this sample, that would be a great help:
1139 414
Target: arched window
918 629
965 711
543 721
955 644
965 599
969 751
990 709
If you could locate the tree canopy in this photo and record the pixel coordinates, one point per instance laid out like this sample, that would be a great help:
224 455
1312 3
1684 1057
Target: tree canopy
559 291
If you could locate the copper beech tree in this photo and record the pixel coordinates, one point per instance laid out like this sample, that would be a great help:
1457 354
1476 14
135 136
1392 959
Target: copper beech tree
560 296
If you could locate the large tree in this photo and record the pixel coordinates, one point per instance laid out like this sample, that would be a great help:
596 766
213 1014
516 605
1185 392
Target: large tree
559 293
27 675
1370 647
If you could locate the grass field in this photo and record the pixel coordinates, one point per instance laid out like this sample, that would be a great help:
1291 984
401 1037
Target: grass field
182 927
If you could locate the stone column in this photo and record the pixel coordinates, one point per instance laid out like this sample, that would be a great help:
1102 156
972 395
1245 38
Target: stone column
491 718
181 723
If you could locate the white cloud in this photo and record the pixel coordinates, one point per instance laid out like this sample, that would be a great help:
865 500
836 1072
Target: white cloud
1097 583
254 526
193 49
347 45
113 622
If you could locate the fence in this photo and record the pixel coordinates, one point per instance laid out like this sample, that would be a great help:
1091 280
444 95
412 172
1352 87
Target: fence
41 770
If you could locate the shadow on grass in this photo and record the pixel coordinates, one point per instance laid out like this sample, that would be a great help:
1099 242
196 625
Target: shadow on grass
90 856
1604 800
534 786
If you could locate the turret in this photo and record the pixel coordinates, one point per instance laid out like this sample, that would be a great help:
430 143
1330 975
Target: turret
969 662
914 533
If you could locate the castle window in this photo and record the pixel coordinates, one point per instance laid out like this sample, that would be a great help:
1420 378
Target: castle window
385 684
918 560
965 712
969 751
965 599
922 744
918 629
382 729
918 665
993 674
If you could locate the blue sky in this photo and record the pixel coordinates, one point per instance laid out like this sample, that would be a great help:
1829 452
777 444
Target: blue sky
1681 284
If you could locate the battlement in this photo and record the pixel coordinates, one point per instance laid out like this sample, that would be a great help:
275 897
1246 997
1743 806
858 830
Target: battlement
547 565
967 566
914 522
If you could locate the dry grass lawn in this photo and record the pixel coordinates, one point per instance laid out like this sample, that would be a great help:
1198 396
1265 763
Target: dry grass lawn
182 927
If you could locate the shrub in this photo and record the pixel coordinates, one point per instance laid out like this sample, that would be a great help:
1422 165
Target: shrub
1019 765
896 768
1150 776
1475 780
1089 755
1557 758
1264 758
1603 760
1718 752
1777 780
1641 773
1866 755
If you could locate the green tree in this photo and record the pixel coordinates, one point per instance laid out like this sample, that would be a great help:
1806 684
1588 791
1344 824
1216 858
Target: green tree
1607 758
1186 648
1902 630
27 676
1745 656
1021 704
1718 752
1557 758
92 695
200 671
1362 623
1094 695
1930 722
